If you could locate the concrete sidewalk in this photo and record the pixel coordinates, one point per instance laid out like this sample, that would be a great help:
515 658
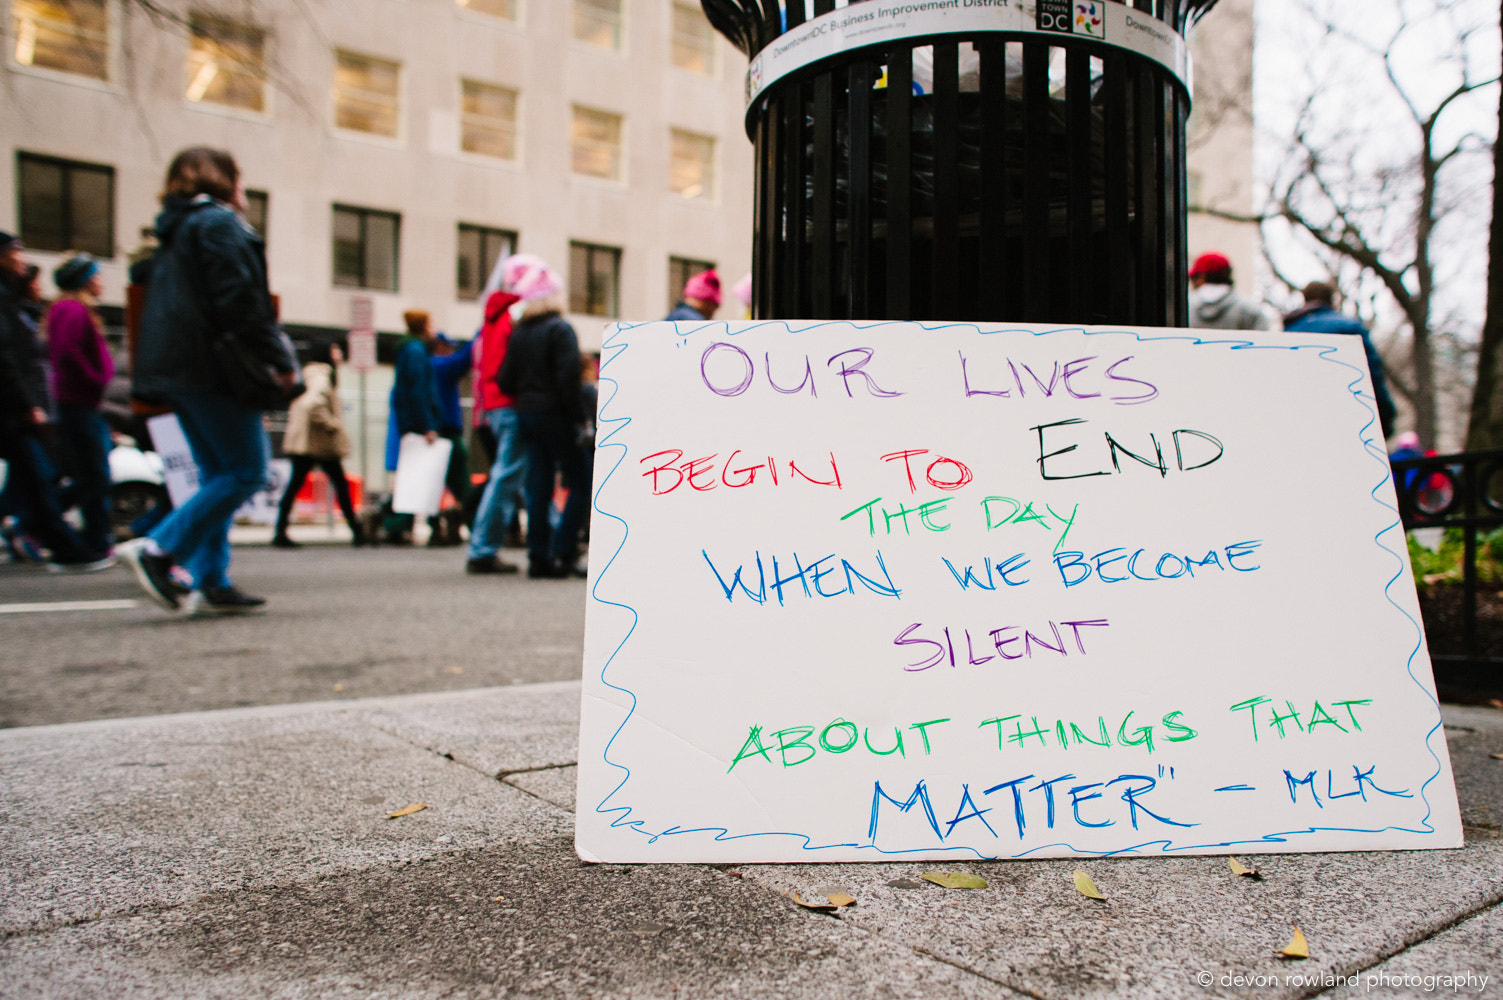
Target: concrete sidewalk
248 853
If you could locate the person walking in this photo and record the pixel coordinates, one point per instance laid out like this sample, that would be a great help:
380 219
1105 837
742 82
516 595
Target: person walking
701 299
498 505
81 371
23 416
208 294
315 436
1213 303
1319 315
541 373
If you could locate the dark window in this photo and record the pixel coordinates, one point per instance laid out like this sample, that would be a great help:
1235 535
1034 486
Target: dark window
365 248
256 205
479 249
680 270
594 280
66 205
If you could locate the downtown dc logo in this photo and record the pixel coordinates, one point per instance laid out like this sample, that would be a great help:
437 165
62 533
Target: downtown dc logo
1070 17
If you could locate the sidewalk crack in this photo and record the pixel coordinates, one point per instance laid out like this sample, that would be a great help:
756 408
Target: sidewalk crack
1429 935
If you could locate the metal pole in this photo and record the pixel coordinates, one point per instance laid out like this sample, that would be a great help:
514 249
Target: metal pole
365 483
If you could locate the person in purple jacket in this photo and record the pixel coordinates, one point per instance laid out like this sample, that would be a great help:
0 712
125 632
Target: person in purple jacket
81 370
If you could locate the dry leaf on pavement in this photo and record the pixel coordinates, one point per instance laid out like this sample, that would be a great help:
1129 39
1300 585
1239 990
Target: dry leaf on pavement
1238 868
1086 886
823 907
955 880
1297 947
842 899
408 810
1496 756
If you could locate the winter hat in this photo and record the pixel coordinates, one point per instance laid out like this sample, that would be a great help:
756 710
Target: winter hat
529 276
7 240
1209 263
75 272
704 285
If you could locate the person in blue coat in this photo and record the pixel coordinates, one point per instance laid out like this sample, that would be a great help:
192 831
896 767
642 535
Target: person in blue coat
414 406
1319 315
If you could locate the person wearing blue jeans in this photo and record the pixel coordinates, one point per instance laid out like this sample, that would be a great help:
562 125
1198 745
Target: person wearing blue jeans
498 503
231 451
208 286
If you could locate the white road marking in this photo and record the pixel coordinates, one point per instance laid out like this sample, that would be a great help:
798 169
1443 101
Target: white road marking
22 609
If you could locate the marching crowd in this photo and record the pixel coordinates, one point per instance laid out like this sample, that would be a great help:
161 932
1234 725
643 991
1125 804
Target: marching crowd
210 350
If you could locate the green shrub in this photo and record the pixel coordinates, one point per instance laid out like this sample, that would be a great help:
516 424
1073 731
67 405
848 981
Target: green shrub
1444 563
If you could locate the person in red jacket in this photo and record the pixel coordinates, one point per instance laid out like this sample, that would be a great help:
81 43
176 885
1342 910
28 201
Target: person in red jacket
81 370
498 504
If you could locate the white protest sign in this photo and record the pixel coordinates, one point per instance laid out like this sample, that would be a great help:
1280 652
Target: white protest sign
178 467
419 487
879 591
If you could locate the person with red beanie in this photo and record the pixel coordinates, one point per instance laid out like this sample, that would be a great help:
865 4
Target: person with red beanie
1213 304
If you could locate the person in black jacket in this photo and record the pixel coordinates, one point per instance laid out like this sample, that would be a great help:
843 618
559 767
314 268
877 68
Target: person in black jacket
23 415
541 374
208 281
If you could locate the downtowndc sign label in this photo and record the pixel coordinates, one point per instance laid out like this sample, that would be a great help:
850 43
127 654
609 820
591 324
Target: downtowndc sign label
879 22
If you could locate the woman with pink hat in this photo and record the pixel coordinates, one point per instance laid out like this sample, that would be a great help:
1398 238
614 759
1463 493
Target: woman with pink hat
701 299
541 373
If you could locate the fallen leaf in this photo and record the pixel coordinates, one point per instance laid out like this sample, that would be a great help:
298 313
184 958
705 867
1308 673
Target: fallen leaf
1496 702
1086 886
955 880
1297 947
842 899
1496 756
1240 869
808 905
338 688
499 899
454 670
408 810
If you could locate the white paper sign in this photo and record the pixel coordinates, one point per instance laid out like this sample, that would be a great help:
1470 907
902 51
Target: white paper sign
878 591
421 466
178 467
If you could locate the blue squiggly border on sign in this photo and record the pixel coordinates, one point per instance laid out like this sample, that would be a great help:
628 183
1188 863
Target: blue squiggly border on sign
617 342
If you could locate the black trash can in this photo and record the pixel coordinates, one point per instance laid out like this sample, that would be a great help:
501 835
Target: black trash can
1018 160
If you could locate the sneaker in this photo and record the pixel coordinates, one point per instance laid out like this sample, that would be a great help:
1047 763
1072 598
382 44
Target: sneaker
283 542
213 601
82 566
489 564
152 572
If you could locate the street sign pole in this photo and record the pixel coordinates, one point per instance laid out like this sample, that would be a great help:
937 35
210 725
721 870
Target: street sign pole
363 360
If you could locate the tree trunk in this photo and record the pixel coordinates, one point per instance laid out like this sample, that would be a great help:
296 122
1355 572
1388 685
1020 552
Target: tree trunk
1485 428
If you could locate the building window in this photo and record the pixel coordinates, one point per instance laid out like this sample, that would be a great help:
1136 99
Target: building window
479 249
367 94
70 36
504 9
680 270
365 248
488 120
66 205
226 63
598 22
256 204
693 39
691 165
594 280
597 144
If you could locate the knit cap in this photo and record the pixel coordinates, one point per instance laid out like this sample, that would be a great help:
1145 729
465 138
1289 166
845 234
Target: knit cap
529 276
704 285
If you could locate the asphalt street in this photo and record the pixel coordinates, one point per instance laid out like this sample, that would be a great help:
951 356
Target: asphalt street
341 623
